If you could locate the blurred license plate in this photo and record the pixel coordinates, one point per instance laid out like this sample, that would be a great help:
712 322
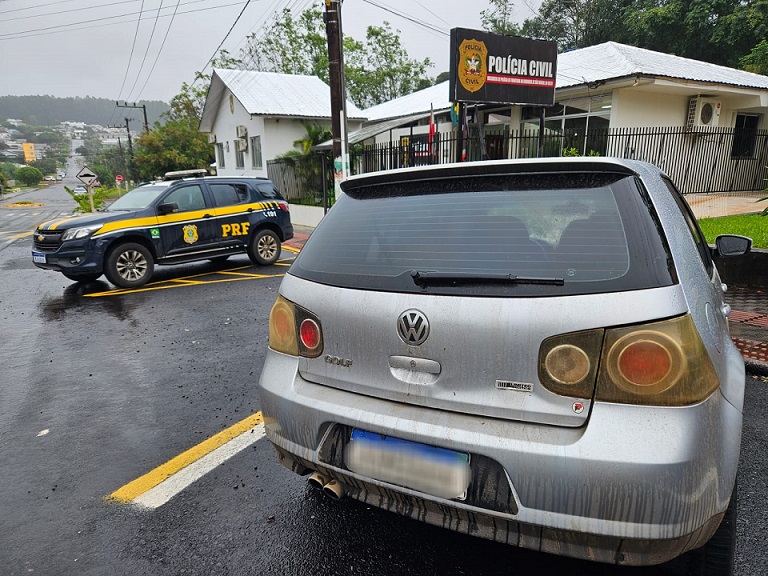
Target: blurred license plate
428 469
38 257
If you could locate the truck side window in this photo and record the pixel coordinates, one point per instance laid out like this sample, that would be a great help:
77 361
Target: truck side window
227 194
187 198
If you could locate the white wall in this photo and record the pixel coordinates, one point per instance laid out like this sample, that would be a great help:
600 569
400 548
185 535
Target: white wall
277 135
638 108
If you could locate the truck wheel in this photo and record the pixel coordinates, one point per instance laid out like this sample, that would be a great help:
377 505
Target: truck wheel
264 249
129 265
85 278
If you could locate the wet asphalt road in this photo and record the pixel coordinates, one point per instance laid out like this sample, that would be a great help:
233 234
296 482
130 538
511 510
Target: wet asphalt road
97 391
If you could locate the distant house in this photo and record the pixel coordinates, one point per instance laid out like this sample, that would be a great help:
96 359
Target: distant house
252 117
703 123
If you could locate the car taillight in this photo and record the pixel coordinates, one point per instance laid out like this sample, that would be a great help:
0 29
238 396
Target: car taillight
568 363
294 330
661 364
310 334
283 206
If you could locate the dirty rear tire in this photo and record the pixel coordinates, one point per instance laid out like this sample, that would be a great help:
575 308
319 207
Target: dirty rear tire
264 249
129 265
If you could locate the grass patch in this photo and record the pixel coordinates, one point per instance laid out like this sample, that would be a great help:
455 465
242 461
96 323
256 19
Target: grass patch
752 225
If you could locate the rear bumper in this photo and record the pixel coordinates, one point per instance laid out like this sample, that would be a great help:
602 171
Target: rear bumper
635 486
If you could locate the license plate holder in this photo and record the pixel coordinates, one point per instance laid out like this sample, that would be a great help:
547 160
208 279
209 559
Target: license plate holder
37 257
429 469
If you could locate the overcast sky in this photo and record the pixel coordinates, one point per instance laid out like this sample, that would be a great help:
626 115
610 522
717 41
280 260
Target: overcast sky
86 47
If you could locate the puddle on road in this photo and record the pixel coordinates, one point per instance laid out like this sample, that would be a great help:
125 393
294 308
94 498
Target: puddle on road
54 308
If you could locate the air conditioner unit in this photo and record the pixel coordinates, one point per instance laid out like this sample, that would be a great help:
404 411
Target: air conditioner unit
241 144
703 112
211 138
242 131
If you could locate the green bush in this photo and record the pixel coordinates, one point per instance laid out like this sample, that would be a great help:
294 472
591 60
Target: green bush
100 196
28 175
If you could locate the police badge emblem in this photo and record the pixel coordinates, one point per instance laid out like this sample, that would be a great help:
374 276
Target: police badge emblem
473 56
190 234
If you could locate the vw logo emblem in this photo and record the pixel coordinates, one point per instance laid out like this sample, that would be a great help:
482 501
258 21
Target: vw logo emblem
413 327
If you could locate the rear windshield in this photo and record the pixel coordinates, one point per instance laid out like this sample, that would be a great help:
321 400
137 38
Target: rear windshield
510 235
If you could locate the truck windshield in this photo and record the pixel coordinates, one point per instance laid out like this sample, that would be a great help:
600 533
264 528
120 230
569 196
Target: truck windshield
137 199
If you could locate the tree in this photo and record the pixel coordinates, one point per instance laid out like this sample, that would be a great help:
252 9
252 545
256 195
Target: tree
498 18
315 134
578 23
28 175
46 165
757 60
290 45
177 145
8 169
376 70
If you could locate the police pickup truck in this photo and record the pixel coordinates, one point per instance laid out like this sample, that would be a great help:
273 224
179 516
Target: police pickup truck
167 222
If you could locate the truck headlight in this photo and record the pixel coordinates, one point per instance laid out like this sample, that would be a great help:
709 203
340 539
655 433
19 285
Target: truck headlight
83 232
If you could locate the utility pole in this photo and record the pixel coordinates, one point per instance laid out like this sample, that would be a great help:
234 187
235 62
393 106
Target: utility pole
130 151
134 105
338 91
129 165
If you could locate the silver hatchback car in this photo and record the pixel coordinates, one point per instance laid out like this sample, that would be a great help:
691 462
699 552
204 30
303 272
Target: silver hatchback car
535 352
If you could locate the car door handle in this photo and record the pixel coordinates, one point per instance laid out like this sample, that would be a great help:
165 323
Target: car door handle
207 216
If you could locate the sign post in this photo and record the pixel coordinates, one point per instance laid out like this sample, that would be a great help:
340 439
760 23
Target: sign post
87 177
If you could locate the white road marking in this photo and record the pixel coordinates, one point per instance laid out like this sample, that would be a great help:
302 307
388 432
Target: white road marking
167 489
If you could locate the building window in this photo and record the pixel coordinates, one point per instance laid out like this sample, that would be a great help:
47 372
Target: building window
220 155
580 124
239 156
745 136
256 161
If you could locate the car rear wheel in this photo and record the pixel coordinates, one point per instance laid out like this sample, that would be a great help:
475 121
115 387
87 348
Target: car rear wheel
129 265
82 277
264 248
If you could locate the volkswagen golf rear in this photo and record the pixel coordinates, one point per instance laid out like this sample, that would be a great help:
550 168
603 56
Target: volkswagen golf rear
534 352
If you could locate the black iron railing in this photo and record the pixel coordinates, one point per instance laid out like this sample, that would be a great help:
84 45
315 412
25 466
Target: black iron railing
699 160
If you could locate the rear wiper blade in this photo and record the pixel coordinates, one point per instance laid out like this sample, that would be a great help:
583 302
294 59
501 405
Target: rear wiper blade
456 278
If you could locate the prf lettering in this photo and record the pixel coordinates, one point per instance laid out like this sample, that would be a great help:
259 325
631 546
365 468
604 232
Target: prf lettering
236 229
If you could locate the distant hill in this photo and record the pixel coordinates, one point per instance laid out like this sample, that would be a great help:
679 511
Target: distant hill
49 110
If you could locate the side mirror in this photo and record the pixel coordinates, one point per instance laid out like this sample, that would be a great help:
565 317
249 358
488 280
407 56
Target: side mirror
732 245
164 209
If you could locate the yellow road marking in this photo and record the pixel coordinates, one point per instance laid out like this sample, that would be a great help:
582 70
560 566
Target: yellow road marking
152 478
120 292
291 249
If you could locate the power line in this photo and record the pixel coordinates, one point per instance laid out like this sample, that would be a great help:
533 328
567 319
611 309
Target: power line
63 11
69 27
404 16
157 57
149 44
226 36
130 58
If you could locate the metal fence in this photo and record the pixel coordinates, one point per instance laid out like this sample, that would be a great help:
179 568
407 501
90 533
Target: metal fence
699 160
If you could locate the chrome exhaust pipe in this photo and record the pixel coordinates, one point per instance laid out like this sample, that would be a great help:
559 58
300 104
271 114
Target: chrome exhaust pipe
317 480
334 489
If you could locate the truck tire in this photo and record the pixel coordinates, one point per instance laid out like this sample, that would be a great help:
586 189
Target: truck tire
129 265
264 249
